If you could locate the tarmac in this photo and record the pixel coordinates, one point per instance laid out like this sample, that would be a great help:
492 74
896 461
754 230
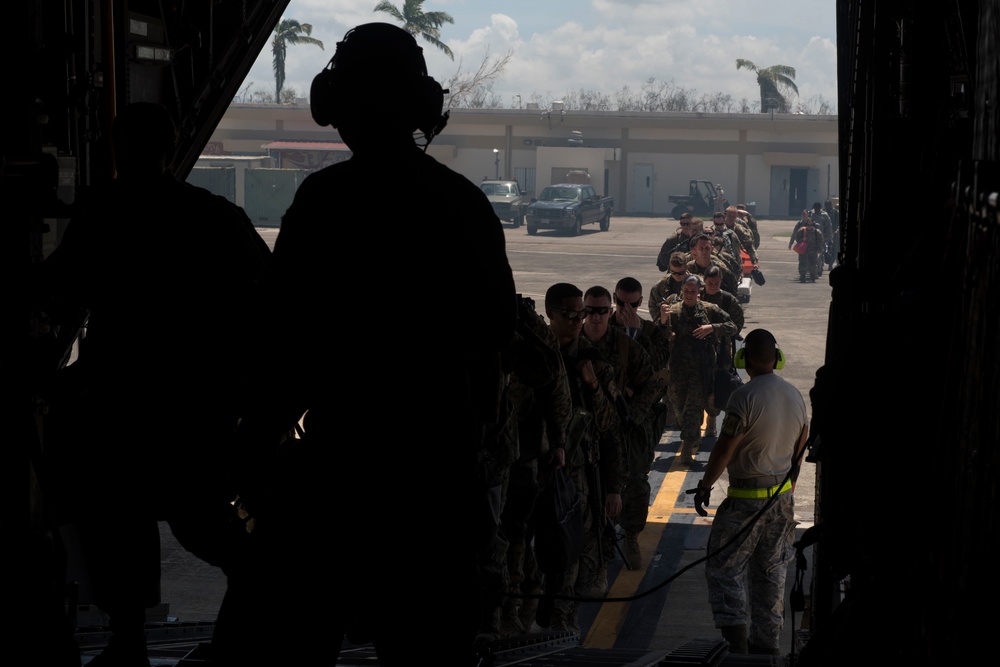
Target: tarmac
664 603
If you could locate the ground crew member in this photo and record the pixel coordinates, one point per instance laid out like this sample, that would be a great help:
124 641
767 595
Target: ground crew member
764 431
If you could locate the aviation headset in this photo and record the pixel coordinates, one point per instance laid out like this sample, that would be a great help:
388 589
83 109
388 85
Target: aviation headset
740 359
384 62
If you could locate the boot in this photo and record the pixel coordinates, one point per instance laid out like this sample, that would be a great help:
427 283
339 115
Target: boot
599 589
686 456
632 552
711 430
489 629
736 635
510 621
528 609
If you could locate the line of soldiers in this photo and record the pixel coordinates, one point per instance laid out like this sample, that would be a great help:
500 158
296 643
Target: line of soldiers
590 394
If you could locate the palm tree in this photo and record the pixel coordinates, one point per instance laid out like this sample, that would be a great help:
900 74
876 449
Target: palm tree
288 31
419 23
773 81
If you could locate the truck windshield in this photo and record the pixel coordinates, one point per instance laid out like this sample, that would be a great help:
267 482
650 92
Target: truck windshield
560 194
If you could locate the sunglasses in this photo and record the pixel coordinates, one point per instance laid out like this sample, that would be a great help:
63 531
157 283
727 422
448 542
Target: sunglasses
571 314
679 273
597 310
634 304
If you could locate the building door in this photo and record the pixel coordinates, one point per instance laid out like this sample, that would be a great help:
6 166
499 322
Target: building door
798 193
642 189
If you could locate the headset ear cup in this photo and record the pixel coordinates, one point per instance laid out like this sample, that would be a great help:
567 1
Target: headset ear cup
323 98
740 358
428 105
779 358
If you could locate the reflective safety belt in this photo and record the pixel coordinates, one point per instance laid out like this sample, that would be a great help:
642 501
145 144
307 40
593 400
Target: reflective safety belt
765 492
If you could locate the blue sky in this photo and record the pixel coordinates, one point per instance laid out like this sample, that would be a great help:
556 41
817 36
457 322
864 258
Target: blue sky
560 46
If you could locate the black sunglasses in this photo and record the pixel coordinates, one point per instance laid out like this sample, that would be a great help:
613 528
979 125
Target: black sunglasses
597 310
634 304
571 314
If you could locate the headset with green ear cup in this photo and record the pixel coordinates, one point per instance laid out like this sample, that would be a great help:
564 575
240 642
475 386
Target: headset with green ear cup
740 358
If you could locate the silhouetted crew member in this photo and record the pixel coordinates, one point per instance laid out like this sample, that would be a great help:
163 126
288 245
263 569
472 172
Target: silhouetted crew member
158 367
384 510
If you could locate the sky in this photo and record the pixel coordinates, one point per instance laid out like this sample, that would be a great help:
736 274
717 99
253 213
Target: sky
560 46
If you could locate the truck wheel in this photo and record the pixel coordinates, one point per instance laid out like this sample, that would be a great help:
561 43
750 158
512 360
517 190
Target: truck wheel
577 227
678 211
532 230
518 221
606 221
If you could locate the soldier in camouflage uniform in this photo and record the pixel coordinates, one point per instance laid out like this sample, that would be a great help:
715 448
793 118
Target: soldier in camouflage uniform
640 388
715 294
681 241
669 285
594 394
810 262
744 235
702 252
747 219
541 408
628 300
721 252
694 328
764 431
825 225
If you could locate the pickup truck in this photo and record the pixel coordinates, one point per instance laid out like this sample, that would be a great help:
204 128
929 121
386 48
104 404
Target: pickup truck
508 199
568 206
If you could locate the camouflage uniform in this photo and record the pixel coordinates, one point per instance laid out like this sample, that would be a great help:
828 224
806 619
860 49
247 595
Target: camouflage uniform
732 306
730 282
635 376
750 222
765 550
541 405
580 579
745 237
659 293
692 363
729 259
676 243
635 501
825 225
810 260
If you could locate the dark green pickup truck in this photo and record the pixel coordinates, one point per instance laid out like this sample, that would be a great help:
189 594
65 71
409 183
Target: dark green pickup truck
568 206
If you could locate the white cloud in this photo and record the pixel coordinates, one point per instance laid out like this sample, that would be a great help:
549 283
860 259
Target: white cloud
561 46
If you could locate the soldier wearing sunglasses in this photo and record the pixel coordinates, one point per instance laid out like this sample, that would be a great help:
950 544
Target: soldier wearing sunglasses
593 395
640 388
689 226
639 453
669 286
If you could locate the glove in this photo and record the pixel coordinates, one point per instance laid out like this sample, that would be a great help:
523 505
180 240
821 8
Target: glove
701 498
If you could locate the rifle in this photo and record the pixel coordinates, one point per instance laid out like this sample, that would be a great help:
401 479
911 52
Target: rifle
602 521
